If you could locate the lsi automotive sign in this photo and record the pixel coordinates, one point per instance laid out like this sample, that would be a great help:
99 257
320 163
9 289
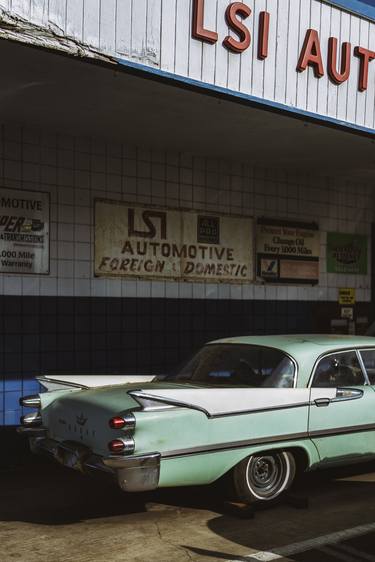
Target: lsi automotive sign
159 243
337 65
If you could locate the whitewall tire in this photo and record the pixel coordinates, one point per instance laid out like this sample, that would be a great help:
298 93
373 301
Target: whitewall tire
264 476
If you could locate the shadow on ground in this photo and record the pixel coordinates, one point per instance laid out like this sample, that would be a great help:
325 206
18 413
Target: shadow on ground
38 491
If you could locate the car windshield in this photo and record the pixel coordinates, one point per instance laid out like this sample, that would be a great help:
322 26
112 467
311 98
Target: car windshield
238 365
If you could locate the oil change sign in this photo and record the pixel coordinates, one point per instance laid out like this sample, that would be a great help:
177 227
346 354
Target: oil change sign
287 252
157 243
24 231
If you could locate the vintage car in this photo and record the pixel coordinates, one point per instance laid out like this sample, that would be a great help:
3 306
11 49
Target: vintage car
257 409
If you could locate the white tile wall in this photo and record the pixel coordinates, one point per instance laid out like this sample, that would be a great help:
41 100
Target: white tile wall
76 170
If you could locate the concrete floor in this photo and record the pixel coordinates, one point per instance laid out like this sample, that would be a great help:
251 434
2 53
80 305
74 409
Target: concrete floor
49 513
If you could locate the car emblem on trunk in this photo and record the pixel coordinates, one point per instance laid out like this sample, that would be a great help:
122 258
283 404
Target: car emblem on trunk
81 420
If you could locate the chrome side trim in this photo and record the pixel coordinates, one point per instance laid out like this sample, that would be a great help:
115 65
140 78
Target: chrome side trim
342 430
143 461
261 410
232 446
220 447
176 403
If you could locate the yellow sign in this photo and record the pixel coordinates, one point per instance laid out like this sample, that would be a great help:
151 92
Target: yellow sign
346 297
158 243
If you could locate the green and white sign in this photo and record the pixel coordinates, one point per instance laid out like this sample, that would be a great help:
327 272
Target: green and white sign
346 253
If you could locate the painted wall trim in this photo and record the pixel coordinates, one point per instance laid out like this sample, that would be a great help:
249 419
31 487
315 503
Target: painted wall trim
355 6
233 95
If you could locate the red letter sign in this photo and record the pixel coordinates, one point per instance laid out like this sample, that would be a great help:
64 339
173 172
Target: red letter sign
264 31
311 54
234 10
198 31
366 57
338 77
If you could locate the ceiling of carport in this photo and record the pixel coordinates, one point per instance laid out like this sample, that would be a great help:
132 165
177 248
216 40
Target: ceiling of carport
48 90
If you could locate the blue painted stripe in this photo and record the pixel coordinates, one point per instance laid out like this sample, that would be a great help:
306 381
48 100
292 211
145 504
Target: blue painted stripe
252 100
365 8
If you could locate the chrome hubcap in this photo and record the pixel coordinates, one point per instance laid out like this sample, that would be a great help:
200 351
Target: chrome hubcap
266 475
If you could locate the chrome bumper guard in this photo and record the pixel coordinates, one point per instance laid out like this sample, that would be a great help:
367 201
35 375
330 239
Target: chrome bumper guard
136 473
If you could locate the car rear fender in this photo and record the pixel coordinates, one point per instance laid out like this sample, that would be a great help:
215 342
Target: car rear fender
207 468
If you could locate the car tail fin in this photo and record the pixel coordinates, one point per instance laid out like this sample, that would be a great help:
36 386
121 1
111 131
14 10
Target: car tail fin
60 382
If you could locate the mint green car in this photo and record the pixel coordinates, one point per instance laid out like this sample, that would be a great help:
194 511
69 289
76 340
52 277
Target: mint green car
257 408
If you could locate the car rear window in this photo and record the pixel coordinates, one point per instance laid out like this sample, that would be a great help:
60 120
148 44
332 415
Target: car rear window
238 365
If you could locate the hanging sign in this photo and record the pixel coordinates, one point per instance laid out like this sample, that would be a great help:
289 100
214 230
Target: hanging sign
346 253
24 231
287 252
159 243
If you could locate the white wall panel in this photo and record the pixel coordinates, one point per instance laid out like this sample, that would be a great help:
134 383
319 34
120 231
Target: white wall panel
183 14
61 163
208 53
312 82
304 23
342 95
91 22
153 30
107 30
21 8
293 48
157 33
258 66
39 11
57 13
364 32
370 104
124 28
325 29
74 18
351 111
168 34
281 54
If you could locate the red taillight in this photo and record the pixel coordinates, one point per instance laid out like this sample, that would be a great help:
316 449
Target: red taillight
124 446
116 446
126 421
117 422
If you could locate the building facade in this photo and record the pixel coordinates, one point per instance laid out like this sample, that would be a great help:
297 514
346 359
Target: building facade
165 112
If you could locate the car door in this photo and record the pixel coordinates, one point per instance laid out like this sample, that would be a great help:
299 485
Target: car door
342 408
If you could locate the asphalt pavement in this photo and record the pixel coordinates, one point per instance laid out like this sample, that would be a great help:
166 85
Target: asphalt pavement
50 513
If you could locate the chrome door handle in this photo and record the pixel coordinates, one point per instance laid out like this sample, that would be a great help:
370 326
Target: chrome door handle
348 394
322 402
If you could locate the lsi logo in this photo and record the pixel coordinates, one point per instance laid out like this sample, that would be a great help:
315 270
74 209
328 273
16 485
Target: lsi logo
147 218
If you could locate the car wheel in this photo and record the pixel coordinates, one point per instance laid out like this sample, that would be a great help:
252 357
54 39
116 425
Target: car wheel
264 476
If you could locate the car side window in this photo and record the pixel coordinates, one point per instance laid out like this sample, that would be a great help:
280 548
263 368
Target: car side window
339 369
368 358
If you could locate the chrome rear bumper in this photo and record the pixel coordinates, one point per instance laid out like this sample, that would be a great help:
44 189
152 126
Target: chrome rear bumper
135 473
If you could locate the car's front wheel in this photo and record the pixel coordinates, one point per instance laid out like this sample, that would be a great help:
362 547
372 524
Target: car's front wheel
264 476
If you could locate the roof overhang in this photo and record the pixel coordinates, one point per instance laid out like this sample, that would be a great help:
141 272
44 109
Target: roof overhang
60 93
